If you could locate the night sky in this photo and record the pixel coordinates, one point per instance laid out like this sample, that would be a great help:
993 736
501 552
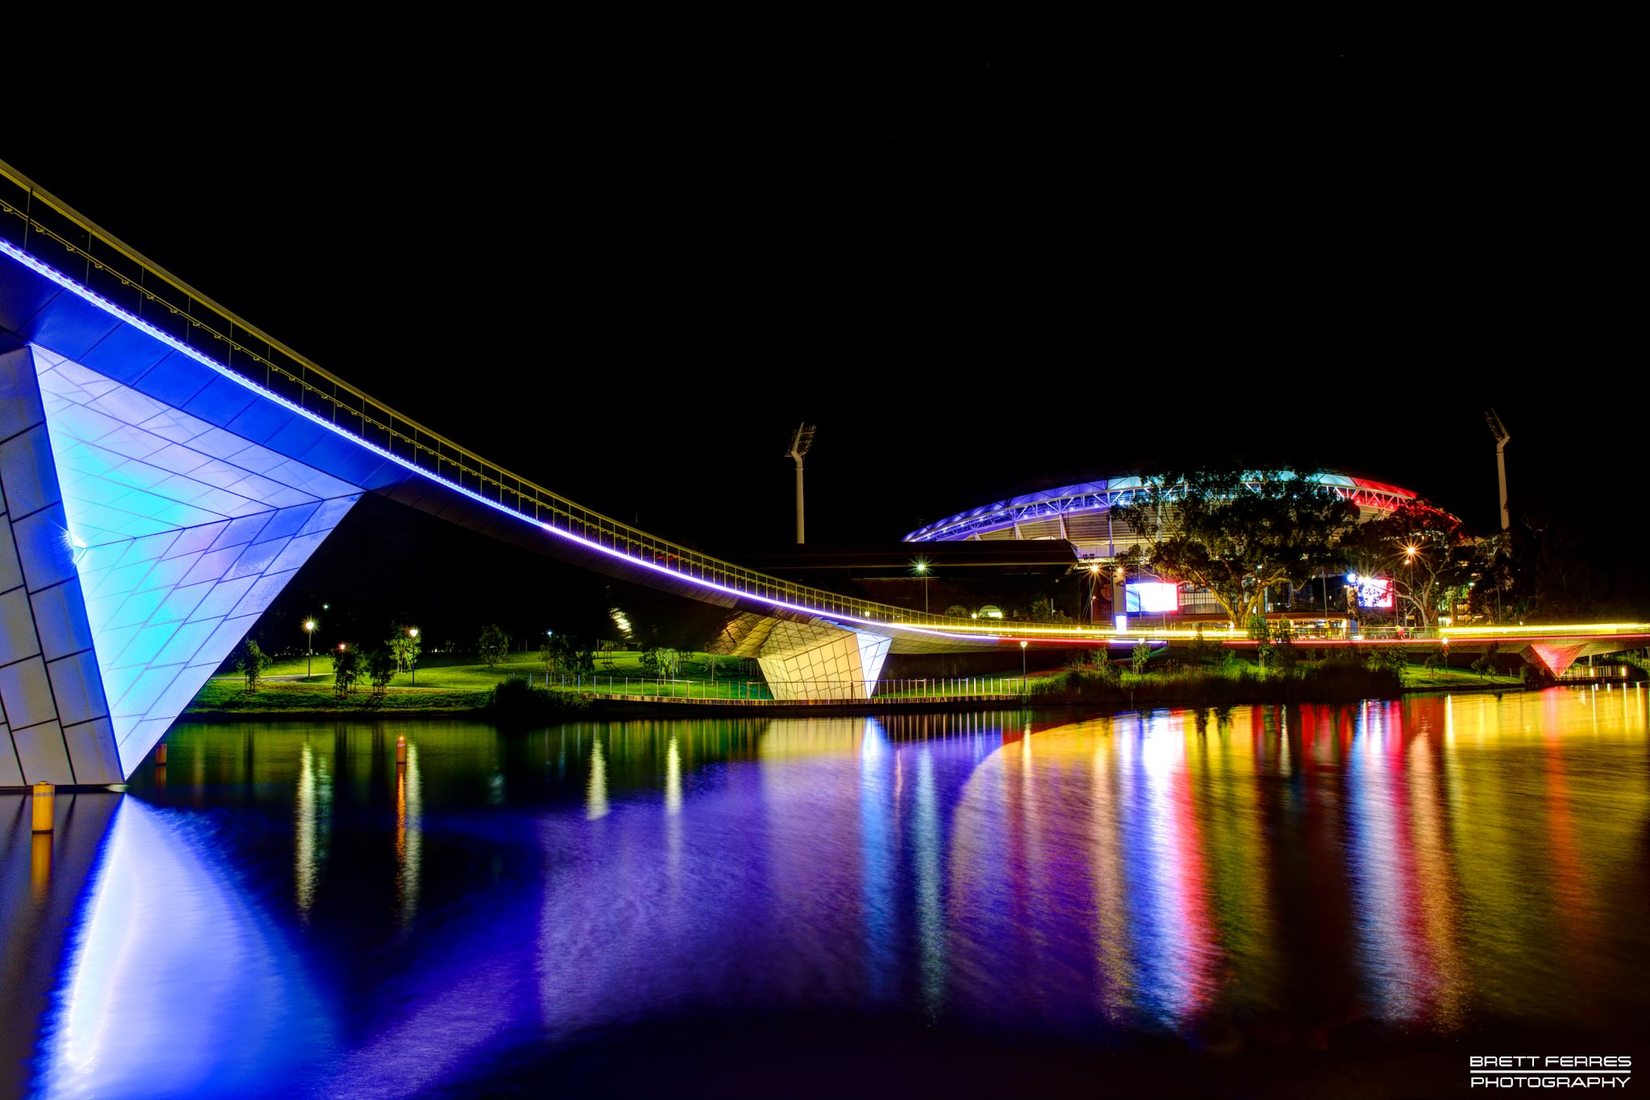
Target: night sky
629 275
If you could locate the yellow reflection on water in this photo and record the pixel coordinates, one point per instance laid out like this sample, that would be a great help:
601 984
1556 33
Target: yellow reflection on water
595 791
40 866
409 834
312 813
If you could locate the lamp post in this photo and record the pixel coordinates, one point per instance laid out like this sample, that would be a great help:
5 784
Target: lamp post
412 654
920 566
1022 666
1409 580
309 646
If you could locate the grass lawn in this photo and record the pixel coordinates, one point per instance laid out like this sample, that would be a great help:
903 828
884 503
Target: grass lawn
1419 676
460 684
443 683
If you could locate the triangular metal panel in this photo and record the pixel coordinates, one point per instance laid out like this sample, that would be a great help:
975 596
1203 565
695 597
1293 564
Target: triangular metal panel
180 535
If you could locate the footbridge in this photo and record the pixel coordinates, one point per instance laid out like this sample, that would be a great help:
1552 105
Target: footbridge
167 467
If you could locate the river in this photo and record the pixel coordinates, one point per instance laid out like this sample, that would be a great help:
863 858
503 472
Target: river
967 903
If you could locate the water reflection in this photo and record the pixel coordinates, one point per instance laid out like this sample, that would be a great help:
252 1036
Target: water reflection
409 813
595 796
312 805
139 1014
1258 876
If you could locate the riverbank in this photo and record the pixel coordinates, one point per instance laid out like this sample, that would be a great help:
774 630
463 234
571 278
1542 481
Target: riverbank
467 690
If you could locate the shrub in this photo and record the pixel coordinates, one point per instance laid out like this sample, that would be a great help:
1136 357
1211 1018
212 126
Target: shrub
1142 653
492 645
381 669
1386 659
252 664
515 701
346 669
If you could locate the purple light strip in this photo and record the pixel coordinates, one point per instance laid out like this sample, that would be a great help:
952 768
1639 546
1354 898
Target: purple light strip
115 311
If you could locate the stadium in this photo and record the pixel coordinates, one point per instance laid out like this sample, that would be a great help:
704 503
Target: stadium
1084 515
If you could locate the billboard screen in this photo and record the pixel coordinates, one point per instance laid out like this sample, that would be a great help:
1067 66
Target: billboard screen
1151 597
1374 592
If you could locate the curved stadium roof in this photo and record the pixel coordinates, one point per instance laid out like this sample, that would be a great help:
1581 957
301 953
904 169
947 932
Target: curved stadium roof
1082 513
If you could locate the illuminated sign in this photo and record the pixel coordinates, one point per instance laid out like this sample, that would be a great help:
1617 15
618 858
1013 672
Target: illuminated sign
1374 592
1152 597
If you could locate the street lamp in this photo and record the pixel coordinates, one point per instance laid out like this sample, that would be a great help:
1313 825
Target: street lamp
412 654
309 646
921 568
1022 666
1410 552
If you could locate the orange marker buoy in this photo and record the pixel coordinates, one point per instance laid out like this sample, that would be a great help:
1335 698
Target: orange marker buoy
45 803
401 752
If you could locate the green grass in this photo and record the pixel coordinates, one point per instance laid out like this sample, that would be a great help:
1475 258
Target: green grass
446 684
228 694
443 683
1422 678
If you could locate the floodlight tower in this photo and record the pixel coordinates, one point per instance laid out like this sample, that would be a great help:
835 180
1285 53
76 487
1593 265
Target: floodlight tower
800 442
1499 430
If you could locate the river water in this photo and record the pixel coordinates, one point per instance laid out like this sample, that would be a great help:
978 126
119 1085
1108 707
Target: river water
974 903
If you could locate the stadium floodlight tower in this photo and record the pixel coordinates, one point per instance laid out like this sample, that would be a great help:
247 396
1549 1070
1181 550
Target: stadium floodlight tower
1499 430
800 442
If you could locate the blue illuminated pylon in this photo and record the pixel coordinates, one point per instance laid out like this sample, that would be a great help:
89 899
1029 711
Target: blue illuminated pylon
146 543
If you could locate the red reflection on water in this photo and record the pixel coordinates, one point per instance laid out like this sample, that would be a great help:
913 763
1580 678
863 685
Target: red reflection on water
1573 908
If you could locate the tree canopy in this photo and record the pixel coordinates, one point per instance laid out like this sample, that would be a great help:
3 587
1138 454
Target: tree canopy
1428 559
1235 532
252 664
493 645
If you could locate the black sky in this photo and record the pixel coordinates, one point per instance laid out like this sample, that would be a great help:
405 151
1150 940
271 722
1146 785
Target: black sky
629 275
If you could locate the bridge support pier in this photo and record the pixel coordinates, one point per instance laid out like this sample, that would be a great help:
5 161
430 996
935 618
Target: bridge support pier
1556 657
808 662
139 541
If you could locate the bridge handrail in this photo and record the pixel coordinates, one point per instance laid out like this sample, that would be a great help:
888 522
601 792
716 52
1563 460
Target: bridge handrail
54 233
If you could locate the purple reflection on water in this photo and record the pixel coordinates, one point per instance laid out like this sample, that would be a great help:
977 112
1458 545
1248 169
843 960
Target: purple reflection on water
176 985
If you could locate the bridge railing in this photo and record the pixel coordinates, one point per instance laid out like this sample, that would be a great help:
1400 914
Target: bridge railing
50 231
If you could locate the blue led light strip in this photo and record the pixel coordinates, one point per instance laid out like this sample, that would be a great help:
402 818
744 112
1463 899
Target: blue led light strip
826 598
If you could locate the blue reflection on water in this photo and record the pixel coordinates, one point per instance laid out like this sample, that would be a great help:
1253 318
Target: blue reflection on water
877 796
176 984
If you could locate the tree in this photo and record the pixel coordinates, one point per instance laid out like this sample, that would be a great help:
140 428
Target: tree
1284 656
567 655
492 645
346 669
252 664
1236 533
404 645
1044 611
1423 552
1142 653
381 669
662 663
